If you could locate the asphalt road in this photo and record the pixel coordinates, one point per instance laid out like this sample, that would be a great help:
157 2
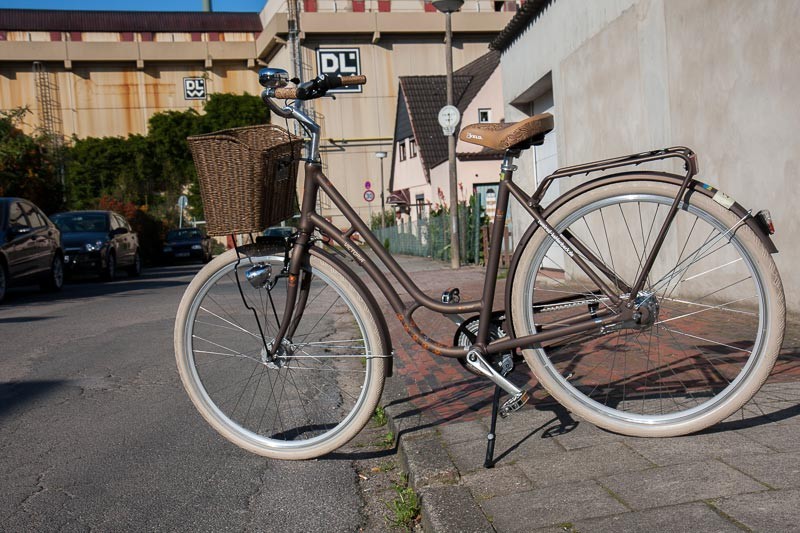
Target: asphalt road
97 433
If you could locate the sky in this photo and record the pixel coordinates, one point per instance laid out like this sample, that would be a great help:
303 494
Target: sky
136 5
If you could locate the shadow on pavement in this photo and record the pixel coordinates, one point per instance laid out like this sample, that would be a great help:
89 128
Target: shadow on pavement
86 287
22 319
17 392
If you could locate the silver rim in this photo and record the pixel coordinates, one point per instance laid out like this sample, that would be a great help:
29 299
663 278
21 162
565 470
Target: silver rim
708 289
318 387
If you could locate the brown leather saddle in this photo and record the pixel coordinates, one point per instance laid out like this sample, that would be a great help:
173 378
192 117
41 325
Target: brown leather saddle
503 136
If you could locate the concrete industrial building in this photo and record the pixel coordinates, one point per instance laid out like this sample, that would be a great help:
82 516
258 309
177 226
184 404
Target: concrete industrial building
108 72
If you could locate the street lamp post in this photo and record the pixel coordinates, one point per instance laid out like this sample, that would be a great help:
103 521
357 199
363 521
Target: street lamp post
382 156
448 7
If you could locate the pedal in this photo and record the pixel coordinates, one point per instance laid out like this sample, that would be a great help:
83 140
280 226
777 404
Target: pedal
513 404
451 296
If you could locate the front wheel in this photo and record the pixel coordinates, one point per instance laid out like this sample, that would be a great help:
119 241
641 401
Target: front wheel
712 311
110 270
326 380
54 279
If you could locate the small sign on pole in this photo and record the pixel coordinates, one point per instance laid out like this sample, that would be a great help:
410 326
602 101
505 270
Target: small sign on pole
183 201
369 195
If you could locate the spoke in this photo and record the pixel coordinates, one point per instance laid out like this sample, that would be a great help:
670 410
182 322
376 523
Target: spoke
231 350
686 302
696 255
706 340
334 356
690 278
707 308
236 326
589 293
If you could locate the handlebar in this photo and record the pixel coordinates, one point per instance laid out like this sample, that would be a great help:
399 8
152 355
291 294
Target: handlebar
317 87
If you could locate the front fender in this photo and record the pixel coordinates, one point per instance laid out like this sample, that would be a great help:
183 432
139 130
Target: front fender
695 187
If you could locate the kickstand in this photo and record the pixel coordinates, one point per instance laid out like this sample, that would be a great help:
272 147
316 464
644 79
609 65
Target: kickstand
490 438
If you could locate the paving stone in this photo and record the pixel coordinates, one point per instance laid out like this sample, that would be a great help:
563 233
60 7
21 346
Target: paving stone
509 448
427 462
490 482
779 407
693 448
451 509
472 430
533 417
779 437
777 510
683 483
778 470
586 434
678 519
551 506
583 464
468 456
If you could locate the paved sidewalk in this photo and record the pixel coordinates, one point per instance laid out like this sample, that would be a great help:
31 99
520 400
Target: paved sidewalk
555 472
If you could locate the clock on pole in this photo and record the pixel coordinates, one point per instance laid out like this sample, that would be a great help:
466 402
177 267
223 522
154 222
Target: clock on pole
449 117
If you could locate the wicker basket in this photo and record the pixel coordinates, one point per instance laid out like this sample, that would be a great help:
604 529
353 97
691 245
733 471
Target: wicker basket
248 177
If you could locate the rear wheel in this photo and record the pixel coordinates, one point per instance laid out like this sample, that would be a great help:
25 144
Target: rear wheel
318 392
135 269
714 308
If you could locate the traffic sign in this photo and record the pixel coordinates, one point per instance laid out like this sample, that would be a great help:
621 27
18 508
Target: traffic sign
369 195
367 184
183 201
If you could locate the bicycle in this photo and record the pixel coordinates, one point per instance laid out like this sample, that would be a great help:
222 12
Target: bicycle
645 302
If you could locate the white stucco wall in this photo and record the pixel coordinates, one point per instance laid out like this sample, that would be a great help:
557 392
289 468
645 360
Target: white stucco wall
719 76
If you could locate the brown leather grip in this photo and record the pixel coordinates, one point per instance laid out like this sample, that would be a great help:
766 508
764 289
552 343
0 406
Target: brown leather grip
286 94
354 80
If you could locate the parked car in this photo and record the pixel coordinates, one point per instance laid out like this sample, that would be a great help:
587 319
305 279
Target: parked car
279 231
98 242
187 243
30 247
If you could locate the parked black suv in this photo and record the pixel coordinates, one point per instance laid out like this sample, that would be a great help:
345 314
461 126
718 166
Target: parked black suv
30 247
98 242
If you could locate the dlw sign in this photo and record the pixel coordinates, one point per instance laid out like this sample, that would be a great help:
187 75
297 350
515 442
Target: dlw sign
341 62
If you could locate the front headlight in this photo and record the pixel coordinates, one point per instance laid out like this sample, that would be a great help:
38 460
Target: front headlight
197 247
94 247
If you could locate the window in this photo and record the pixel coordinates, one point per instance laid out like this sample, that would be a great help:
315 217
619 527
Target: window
401 148
412 148
484 115
36 219
419 201
15 216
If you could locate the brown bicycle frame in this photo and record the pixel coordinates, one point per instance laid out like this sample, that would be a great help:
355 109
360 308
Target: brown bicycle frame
310 220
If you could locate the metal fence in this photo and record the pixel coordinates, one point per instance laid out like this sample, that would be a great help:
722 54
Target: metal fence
430 236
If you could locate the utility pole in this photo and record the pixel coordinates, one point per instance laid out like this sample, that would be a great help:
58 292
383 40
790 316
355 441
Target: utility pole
448 7
381 156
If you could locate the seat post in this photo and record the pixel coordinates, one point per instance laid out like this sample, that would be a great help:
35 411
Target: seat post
508 167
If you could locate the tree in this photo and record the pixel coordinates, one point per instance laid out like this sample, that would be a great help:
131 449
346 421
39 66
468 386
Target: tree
223 111
27 170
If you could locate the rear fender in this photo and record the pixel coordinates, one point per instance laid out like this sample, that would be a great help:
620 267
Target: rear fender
695 187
